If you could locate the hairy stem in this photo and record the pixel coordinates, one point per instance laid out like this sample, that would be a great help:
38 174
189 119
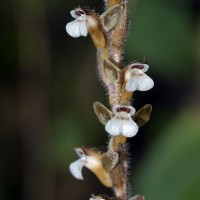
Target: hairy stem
113 52
119 173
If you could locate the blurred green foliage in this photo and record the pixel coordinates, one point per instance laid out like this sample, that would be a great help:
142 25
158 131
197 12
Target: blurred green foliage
164 35
170 168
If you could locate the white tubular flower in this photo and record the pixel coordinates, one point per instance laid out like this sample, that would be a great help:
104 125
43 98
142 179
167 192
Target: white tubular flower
96 197
92 160
137 79
122 123
77 27
85 160
85 22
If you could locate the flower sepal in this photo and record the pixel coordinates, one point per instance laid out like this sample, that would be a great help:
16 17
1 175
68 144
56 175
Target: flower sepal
142 116
102 113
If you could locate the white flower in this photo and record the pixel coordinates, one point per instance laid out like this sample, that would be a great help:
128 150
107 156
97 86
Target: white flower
91 159
96 197
137 79
76 167
122 123
85 160
77 27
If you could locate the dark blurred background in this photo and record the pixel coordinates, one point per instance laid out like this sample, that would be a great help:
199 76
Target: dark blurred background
48 84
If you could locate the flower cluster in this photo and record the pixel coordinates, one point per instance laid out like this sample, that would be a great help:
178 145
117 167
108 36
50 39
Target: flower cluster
108 32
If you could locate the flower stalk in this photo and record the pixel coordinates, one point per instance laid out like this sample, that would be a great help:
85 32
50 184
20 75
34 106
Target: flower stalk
121 121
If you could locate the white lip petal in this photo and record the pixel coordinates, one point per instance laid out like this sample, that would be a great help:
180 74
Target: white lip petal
76 28
122 123
72 29
145 83
129 128
113 126
132 84
76 168
83 29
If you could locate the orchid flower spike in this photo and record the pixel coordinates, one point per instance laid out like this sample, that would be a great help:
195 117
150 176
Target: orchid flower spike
90 159
122 123
77 27
137 79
